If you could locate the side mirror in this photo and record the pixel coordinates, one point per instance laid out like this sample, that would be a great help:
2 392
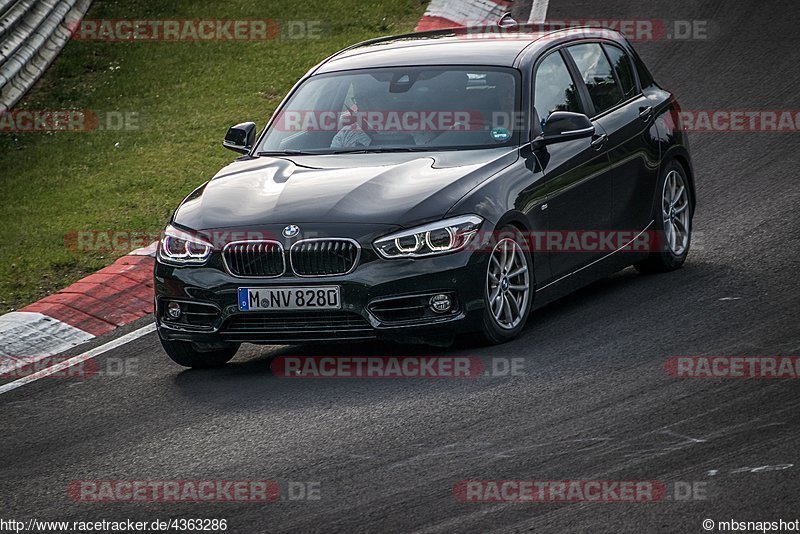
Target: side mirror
240 138
565 126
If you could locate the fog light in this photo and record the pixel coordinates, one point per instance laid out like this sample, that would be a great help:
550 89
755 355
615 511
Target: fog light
441 303
174 310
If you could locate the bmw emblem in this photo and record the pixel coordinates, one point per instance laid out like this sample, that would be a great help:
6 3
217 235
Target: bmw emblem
291 231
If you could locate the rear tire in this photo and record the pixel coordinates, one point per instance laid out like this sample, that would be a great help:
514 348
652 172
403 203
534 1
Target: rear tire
673 222
508 287
184 353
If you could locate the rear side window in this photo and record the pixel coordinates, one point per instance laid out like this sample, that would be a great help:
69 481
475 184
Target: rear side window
621 64
596 72
555 89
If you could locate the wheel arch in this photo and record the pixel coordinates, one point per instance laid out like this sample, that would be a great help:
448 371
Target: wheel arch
514 218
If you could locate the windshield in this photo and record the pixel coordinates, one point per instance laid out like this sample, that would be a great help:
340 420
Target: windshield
398 109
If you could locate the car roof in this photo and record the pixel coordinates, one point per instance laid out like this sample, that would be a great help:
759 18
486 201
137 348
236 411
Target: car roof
484 45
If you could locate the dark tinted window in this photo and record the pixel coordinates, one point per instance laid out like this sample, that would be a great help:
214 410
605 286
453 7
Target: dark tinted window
645 78
555 89
622 66
596 72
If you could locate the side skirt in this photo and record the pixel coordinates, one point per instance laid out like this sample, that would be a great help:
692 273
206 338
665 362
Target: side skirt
600 268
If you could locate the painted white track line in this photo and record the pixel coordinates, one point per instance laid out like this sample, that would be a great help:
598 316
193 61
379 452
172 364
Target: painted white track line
88 355
538 11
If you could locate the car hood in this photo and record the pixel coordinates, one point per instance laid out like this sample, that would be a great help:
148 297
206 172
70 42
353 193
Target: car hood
398 188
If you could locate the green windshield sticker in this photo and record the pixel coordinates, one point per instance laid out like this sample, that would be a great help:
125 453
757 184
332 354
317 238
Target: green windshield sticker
501 134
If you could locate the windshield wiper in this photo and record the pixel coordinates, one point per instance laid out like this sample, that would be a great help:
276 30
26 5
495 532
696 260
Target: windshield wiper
377 150
364 150
289 153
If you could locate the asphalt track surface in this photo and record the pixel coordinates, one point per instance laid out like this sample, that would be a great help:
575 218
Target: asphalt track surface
595 403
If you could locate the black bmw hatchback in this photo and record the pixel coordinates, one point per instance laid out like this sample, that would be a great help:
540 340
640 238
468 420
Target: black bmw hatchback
425 187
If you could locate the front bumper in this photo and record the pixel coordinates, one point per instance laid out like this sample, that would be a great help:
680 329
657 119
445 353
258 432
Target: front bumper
380 299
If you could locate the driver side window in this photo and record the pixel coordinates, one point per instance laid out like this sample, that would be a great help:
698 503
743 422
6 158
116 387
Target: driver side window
554 88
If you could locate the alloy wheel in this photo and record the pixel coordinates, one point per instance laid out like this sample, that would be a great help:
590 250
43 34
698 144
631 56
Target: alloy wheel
508 284
675 212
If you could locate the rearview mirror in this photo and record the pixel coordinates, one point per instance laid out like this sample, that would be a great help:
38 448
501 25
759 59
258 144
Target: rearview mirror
566 126
240 138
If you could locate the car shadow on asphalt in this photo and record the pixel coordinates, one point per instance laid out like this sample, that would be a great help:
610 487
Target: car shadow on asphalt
251 374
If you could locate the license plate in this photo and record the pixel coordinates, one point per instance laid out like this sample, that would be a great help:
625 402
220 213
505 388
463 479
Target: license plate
289 298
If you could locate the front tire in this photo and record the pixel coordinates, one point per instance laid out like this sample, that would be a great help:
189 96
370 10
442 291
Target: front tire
673 223
508 292
184 353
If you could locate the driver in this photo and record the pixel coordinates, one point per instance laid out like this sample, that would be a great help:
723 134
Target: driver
367 98
353 134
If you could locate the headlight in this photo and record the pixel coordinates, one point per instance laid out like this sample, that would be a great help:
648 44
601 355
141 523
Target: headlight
182 248
440 237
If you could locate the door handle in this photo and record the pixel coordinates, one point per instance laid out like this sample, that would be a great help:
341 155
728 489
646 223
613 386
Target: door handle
645 113
599 141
